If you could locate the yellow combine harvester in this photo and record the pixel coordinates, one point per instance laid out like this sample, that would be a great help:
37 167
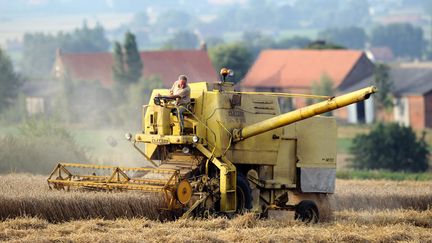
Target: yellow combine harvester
237 153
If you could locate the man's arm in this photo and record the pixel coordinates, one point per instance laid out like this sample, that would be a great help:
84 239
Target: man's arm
181 94
171 91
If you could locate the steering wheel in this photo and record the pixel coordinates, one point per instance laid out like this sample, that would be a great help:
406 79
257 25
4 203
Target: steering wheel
162 100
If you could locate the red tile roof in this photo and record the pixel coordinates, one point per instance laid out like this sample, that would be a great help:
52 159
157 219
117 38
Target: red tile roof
300 68
168 65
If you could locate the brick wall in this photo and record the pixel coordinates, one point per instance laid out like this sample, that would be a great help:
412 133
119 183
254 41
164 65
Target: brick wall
428 109
341 114
416 111
384 116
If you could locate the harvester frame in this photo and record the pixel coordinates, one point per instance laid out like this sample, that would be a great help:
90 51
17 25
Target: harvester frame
239 153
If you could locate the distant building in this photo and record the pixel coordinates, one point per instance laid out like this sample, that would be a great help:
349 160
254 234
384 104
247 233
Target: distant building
39 96
166 64
295 71
412 92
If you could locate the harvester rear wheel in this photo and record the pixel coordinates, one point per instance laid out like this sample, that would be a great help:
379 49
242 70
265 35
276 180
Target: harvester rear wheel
244 194
307 211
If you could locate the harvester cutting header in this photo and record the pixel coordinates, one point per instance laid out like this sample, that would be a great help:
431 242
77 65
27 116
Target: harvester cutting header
235 152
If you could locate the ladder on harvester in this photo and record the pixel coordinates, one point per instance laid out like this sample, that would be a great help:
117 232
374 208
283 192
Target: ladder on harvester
102 177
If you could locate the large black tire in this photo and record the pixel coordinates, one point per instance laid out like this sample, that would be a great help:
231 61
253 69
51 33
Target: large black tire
244 194
307 211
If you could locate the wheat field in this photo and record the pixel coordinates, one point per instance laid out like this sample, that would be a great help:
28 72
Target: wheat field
348 226
377 211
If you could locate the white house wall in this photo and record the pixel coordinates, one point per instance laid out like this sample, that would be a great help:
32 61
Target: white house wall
401 111
35 105
352 113
369 110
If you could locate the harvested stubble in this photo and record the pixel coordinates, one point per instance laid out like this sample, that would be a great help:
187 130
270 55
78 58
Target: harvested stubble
349 226
381 194
27 195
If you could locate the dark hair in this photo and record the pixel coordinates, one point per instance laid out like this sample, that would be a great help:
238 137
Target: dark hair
182 77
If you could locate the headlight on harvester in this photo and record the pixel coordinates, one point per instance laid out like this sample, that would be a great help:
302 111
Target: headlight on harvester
128 136
195 139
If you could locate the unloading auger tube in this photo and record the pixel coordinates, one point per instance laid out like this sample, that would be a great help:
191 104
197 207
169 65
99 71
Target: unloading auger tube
303 113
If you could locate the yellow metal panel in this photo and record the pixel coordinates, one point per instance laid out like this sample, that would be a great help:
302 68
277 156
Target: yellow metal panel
162 120
221 118
316 142
259 157
198 87
150 149
285 169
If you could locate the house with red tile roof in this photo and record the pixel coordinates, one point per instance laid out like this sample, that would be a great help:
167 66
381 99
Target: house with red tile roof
295 71
166 64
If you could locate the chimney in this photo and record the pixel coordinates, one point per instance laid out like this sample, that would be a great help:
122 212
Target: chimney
203 46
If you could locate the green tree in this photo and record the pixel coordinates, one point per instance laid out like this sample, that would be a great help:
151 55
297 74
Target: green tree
214 41
293 42
182 40
39 49
404 40
10 81
119 74
132 59
383 83
118 68
235 56
323 45
255 42
127 72
38 54
350 37
390 147
84 39
324 86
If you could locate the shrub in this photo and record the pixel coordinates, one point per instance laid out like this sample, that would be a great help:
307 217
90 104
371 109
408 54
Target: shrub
391 147
38 147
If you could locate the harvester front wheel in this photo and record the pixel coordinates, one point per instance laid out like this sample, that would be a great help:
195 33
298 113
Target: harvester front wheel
307 211
244 194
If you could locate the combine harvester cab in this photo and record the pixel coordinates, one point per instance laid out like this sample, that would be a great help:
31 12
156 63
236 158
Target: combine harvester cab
237 153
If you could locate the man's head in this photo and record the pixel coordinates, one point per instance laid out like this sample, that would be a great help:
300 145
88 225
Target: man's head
182 81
